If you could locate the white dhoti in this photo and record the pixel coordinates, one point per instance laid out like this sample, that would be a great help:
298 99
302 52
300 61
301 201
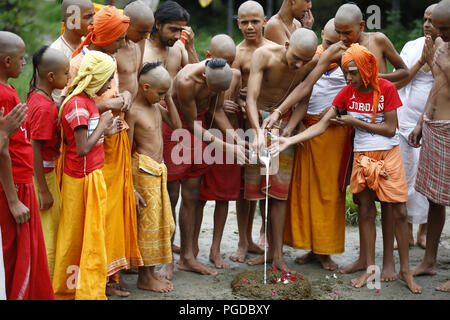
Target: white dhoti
414 97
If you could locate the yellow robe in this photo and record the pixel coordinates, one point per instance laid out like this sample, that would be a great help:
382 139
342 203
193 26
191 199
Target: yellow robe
155 222
80 262
316 210
50 218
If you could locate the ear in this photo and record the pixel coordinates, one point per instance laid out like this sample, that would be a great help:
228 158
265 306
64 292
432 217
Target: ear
208 54
7 61
286 44
265 21
362 25
51 77
146 87
158 25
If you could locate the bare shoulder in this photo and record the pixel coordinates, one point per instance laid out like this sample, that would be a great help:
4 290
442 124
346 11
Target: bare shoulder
297 23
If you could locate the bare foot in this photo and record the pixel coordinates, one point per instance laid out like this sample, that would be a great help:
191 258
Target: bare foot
358 265
195 266
261 240
424 269
218 260
422 241
239 255
408 278
444 287
132 270
326 262
360 281
114 289
166 271
258 260
175 248
280 264
306 258
151 283
254 248
388 274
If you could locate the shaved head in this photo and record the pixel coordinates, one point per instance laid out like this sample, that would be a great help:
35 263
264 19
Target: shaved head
329 34
251 7
52 61
218 74
222 46
305 39
431 8
66 11
10 44
155 75
138 11
442 11
349 13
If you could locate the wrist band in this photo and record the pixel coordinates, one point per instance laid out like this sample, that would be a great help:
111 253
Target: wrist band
306 27
278 110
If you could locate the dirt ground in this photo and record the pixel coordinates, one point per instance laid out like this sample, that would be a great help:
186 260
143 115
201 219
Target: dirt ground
326 285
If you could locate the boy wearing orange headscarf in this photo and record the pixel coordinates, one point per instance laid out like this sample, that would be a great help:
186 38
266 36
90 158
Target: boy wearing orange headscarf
107 35
377 167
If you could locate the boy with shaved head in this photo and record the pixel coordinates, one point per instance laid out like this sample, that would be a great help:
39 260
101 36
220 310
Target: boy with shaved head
155 221
251 21
198 88
349 25
26 269
50 71
314 223
77 16
414 92
433 128
275 70
129 56
221 183
281 26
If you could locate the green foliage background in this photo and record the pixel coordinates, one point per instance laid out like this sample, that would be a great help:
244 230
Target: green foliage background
39 23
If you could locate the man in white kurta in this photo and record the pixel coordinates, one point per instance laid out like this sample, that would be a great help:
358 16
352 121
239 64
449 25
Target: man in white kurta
414 94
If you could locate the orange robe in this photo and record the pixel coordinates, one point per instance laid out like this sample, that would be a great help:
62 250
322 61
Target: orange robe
316 210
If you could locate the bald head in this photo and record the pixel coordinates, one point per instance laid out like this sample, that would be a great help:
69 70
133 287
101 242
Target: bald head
349 13
67 7
431 8
155 75
329 34
305 39
222 46
218 74
10 44
138 11
251 7
442 11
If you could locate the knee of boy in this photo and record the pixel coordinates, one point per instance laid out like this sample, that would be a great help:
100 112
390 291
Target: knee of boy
401 212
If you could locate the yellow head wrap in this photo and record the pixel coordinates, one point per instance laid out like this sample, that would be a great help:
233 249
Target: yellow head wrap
95 70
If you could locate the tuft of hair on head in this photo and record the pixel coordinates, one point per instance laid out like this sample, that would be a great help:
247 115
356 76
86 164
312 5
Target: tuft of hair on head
46 60
149 66
350 13
216 63
138 10
251 7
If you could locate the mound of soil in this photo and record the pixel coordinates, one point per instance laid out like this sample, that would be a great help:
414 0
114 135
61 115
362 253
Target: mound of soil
279 285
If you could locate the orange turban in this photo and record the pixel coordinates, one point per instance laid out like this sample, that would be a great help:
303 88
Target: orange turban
319 53
109 25
367 65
